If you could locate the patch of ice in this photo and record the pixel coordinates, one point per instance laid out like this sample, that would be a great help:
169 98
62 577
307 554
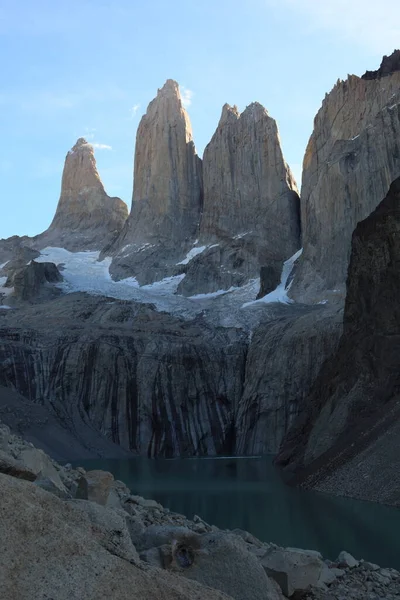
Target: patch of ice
4 264
168 285
191 254
393 106
5 307
355 137
323 302
83 272
213 294
279 294
241 235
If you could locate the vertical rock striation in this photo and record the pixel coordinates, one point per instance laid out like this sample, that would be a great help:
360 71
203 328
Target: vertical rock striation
251 206
351 158
283 361
86 217
167 193
150 382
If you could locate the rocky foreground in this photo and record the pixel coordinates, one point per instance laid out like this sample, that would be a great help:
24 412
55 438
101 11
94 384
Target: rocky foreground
70 534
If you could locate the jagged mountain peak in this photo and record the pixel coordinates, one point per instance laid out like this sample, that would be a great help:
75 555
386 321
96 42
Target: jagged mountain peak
389 65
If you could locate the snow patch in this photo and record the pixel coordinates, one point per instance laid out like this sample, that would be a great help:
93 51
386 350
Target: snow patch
213 294
4 264
5 307
191 254
279 294
241 235
83 272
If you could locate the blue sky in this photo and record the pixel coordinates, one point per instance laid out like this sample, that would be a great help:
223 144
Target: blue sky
90 67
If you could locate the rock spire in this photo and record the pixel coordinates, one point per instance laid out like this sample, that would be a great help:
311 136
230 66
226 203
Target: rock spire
168 187
86 217
251 206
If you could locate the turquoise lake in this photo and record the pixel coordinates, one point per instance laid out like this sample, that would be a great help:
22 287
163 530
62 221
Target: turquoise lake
248 493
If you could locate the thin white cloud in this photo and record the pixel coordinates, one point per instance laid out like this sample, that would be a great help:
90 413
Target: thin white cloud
90 132
98 146
134 110
186 96
374 25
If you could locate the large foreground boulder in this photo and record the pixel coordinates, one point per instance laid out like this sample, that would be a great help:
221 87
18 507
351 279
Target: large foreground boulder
51 549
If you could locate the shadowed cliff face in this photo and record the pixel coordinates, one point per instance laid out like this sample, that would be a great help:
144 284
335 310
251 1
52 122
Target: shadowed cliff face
150 382
352 157
354 404
251 206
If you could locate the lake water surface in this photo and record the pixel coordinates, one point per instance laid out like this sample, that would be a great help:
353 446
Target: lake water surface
248 493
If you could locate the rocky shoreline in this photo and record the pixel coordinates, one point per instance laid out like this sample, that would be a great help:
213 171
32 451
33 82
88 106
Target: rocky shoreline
69 533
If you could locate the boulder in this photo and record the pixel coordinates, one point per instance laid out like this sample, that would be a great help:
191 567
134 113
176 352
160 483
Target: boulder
95 486
294 570
15 468
34 281
113 530
54 549
47 484
40 464
222 561
345 559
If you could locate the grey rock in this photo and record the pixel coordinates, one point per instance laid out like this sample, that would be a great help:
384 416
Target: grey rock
160 557
15 468
159 535
347 560
370 566
328 576
33 281
95 486
54 549
294 570
222 561
145 502
112 526
48 485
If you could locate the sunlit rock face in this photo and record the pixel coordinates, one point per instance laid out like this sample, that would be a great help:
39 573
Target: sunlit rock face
86 217
251 206
351 158
167 193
